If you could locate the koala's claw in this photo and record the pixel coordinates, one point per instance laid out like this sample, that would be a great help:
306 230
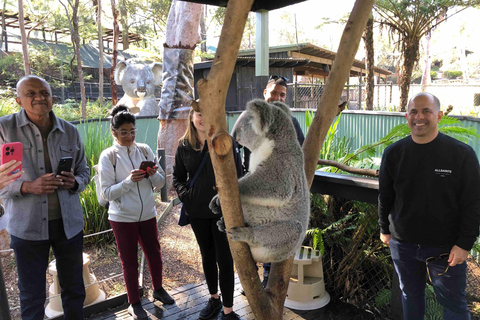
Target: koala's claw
215 205
221 225
241 234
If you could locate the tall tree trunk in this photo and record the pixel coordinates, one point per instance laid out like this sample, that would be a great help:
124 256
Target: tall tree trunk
124 22
426 78
21 22
203 31
76 39
369 64
113 85
73 24
2 35
181 38
213 90
100 52
411 50
328 104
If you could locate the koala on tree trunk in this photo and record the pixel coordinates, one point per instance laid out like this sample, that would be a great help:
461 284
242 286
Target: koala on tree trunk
274 194
138 82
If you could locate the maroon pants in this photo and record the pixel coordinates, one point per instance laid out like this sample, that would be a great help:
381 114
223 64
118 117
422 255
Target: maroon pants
127 236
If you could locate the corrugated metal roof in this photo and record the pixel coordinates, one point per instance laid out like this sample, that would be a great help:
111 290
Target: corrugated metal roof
88 53
315 51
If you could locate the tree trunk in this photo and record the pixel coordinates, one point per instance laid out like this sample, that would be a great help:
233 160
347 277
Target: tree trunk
100 52
113 85
3 28
21 23
369 64
182 34
213 90
203 32
328 105
124 23
426 78
76 39
410 51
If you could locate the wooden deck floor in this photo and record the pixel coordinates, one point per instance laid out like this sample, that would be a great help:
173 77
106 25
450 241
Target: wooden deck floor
190 299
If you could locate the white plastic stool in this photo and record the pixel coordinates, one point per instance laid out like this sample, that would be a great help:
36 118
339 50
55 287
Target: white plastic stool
306 290
93 293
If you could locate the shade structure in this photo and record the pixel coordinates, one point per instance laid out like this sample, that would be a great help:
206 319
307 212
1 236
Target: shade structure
257 4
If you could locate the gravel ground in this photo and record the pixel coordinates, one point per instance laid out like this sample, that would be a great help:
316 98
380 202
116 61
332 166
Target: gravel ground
182 262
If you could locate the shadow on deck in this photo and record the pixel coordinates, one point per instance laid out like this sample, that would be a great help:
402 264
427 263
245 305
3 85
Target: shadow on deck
190 299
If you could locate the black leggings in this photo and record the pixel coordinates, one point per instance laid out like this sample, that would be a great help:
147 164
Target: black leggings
215 250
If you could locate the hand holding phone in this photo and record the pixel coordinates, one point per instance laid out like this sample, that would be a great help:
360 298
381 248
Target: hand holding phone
65 164
12 151
145 165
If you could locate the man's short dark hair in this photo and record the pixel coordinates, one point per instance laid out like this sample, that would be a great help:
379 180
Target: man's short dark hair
274 80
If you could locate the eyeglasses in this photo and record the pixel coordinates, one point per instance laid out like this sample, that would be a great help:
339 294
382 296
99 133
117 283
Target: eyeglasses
275 77
124 133
443 256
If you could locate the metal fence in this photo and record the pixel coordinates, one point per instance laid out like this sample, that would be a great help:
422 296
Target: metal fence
464 97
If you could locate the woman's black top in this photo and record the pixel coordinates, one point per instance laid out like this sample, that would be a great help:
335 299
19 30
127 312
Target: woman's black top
197 199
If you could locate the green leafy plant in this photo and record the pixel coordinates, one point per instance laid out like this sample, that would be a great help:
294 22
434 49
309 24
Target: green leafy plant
317 240
452 74
95 216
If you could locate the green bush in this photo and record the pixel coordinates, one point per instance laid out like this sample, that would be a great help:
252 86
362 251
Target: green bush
95 216
8 105
433 74
10 69
72 110
452 74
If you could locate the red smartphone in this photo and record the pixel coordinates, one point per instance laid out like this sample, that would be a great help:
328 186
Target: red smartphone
12 151
145 165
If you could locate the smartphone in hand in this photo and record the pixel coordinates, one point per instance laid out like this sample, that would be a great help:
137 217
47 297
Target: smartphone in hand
12 151
145 165
65 164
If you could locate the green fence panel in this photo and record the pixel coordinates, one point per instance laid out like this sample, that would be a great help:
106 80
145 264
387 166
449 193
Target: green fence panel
362 127
147 129
365 127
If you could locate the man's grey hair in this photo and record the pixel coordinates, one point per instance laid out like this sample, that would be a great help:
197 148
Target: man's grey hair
32 76
436 101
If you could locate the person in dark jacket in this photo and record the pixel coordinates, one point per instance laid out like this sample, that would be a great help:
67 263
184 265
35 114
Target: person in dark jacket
429 210
216 257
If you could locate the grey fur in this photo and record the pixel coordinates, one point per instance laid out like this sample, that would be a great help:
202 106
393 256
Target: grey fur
274 195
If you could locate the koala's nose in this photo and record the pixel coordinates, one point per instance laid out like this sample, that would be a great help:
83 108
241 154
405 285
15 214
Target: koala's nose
141 85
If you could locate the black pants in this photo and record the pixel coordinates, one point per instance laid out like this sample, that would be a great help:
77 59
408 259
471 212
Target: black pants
32 263
215 251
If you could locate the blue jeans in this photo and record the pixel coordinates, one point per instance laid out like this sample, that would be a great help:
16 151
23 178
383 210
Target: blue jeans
32 262
410 262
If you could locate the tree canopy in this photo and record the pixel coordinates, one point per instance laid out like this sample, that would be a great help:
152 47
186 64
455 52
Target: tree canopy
411 20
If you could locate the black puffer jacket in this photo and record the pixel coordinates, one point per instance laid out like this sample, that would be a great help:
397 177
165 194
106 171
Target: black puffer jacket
187 161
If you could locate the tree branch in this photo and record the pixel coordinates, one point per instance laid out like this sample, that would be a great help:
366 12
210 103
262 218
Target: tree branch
327 108
344 167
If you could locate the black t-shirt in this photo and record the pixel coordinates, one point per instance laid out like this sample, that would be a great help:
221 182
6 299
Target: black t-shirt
430 193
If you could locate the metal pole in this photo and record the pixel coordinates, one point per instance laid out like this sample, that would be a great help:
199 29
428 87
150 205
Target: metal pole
161 156
4 308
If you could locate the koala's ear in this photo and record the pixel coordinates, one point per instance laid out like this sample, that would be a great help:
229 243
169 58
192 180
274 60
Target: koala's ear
120 71
262 115
285 108
157 70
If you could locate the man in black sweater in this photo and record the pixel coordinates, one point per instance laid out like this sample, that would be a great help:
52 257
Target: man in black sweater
429 210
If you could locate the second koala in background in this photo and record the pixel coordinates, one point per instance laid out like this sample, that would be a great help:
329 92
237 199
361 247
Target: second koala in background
274 194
